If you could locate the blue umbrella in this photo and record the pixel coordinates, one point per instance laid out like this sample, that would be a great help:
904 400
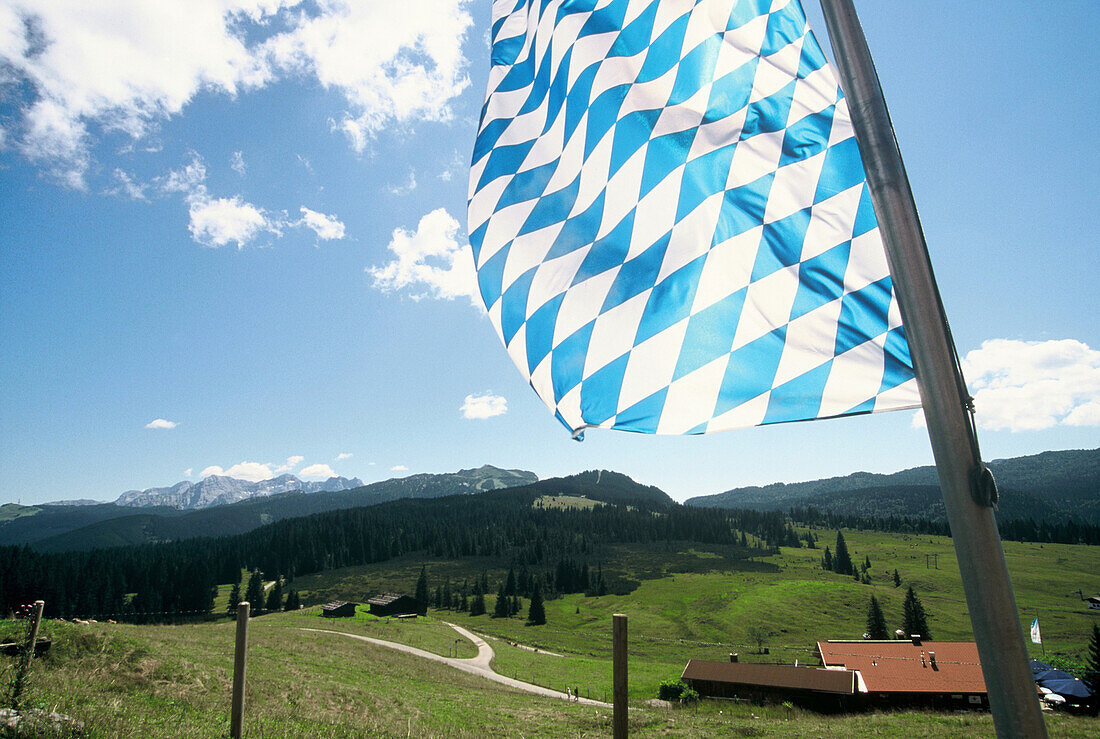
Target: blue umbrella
1069 689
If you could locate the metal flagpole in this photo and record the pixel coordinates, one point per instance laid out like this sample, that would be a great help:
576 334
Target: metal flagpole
968 490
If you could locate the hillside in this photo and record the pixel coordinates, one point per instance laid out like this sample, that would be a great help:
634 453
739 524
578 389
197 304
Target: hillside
1052 486
702 602
61 528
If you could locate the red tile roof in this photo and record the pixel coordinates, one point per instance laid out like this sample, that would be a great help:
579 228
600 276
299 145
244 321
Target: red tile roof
907 666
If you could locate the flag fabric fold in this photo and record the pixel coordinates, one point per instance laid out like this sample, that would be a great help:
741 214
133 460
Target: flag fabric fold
1036 637
671 223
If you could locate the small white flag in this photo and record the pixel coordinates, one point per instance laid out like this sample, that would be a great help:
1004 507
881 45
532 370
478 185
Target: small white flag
1036 637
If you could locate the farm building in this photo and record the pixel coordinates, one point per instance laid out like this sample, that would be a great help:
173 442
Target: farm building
855 674
909 672
338 609
1094 602
811 687
396 604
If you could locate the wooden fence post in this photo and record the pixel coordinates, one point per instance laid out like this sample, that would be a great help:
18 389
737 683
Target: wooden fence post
618 671
28 655
240 656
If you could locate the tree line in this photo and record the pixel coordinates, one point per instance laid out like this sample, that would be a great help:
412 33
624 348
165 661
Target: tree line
1017 529
160 582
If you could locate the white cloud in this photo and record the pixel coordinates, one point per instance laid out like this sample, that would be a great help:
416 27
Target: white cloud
321 471
187 472
484 406
216 222
429 261
291 463
343 455
326 227
256 471
219 221
122 66
128 65
1033 385
127 186
406 188
389 66
236 163
399 468
251 471
160 423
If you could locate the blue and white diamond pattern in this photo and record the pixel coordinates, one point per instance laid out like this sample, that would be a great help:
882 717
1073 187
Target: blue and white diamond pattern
671 222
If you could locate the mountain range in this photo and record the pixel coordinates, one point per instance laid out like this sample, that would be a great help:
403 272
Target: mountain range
57 527
1052 486
221 490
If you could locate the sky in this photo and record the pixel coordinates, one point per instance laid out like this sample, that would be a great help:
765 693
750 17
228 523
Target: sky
233 241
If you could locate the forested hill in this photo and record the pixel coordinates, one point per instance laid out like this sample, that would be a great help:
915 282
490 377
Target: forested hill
605 486
152 580
1052 486
64 527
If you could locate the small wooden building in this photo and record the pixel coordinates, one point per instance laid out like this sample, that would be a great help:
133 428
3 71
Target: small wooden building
338 609
396 604
811 687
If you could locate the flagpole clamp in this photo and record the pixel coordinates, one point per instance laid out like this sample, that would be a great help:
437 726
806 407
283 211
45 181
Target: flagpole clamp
983 488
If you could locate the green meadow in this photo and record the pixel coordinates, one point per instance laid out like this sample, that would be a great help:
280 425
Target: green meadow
692 601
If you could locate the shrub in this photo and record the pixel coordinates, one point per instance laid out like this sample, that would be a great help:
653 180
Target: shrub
676 690
671 690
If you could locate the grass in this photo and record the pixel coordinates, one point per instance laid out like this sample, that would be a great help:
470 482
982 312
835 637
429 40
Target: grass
565 502
174 681
692 601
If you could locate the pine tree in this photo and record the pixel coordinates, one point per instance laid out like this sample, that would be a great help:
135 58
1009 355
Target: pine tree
516 607
477 603
254 594
827 560
914 619
438 598
293 602
234 599
422 589
448 600
876 622
842 561
1092 665
536 614
275 597
897 579
510 583
503 606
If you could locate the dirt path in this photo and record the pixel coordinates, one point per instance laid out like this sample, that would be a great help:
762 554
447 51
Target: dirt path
479 665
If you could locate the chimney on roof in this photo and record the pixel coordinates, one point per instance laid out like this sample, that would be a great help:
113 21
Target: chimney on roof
932 659
916 639
899 634
922 661
733 656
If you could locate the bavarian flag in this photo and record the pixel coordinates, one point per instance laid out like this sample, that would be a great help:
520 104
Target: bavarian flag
671 222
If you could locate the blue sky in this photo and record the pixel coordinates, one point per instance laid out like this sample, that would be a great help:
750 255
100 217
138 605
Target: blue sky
231 238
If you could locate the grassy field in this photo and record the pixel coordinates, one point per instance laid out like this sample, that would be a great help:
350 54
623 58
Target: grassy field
565 502
692 601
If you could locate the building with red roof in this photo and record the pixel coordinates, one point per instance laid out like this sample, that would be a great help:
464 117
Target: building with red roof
941 674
